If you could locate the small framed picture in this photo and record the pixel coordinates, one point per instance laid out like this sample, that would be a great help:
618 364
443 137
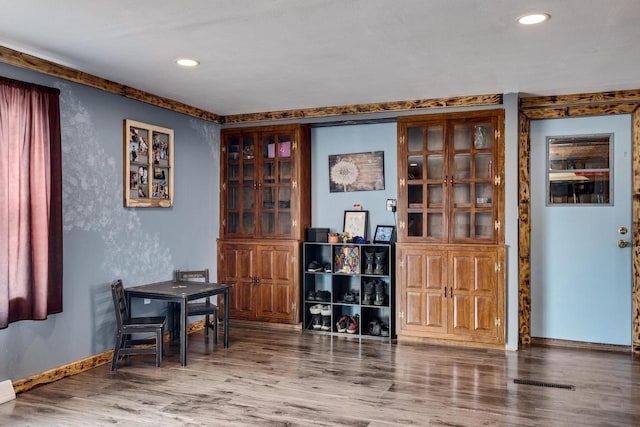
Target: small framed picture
385 234
356 223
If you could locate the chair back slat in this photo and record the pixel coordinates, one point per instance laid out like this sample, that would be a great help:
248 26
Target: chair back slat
120 303
193 274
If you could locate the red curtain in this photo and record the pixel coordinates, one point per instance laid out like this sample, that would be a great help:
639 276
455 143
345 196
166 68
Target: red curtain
30 202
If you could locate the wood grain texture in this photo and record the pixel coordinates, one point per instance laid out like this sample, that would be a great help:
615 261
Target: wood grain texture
524 235
279 377
418 104
537 102
49 68
635 233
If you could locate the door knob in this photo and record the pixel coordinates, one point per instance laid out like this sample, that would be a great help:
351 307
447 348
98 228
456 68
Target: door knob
623 243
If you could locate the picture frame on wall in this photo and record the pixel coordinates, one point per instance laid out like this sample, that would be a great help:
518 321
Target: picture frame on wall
148 165
356 223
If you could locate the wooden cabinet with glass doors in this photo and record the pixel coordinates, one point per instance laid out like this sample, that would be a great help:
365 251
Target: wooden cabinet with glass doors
265 198
450 201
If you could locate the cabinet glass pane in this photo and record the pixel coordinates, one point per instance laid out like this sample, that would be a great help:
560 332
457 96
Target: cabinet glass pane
461 195
248 148
483 225
462 137
232 198
268 197
248 196
414 226
434 195
268 223
484 193
434 166
415 142
268 172
414 195
284 173
284 198
435 138
247 172
461 166
233 148
248 224
579 170
415 166
461 225
284 223
482 135
233 222
483 165
233 172
435 226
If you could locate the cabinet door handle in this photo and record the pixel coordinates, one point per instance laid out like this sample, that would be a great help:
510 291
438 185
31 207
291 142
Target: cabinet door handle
445 291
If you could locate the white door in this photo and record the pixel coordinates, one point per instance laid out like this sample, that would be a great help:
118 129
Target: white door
580 277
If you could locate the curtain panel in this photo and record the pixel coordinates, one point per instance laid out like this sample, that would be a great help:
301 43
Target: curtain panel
30 202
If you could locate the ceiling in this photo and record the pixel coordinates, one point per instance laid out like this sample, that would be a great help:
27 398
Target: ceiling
272 55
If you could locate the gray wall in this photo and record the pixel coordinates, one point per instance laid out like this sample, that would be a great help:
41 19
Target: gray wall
104 241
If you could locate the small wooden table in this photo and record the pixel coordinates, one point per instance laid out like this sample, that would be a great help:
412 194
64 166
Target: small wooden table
181 292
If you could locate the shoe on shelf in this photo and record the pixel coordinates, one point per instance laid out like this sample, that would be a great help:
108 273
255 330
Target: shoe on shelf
311 295
325 312
327 267
350 297
316 316
384 330
341 324
314 266
374 328
324 296
352 325
368 296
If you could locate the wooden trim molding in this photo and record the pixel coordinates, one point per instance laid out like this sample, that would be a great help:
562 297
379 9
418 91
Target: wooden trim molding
419 104
43 66
577 105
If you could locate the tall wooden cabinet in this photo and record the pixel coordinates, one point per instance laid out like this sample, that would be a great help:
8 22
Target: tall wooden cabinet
265 209
450 249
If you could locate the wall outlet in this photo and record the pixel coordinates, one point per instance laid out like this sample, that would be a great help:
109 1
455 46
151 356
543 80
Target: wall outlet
391 205
147 301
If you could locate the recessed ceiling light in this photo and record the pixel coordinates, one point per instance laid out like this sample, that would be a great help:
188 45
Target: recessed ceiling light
533 18
185 62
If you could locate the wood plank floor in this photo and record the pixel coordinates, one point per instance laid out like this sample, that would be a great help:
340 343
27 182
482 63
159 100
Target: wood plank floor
285 378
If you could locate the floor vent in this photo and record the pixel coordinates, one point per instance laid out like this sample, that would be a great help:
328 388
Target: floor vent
545 384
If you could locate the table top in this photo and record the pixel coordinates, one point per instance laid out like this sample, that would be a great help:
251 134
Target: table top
178 288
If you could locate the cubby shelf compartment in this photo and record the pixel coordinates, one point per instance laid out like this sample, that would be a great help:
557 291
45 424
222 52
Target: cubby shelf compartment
343 278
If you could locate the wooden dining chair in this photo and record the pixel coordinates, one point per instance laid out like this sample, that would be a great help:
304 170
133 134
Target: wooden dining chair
208 308
127 326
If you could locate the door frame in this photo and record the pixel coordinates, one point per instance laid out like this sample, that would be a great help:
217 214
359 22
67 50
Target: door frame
577 105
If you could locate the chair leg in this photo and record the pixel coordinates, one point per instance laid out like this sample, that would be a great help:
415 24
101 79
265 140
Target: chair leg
116 351
159 347
215 328
207 325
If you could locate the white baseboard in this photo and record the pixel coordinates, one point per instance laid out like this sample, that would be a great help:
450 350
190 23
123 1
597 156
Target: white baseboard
6 391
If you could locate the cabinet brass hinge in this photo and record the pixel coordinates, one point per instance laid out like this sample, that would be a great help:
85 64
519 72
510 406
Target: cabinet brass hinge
294 145
222 256
497 180
401 315
294 184
224 148
224 222
401 225
224 186
496 225
294 223
498 267
402 182
497 322
497 134
293 260
401 264
402 140
293 305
